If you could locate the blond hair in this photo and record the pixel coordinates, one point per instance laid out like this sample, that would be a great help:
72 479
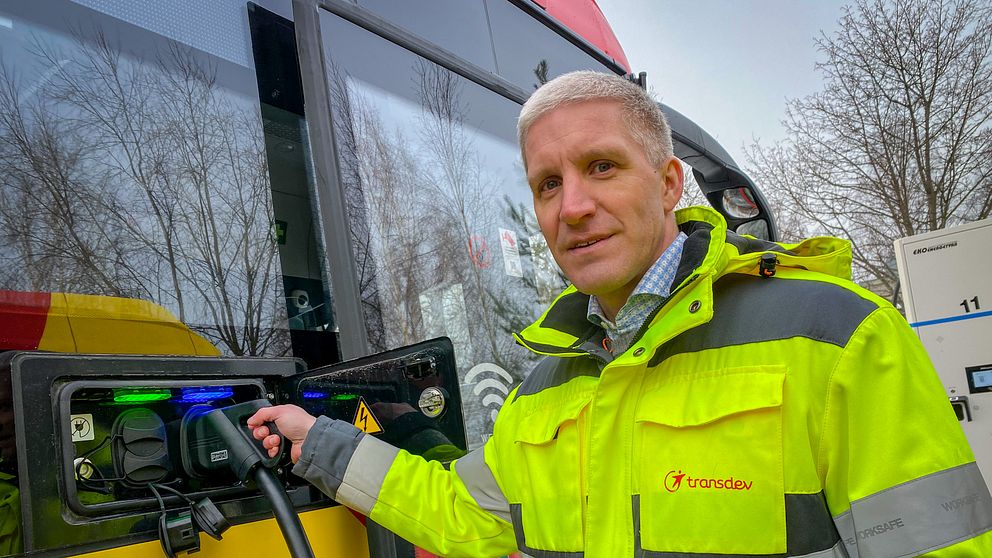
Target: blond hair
642 116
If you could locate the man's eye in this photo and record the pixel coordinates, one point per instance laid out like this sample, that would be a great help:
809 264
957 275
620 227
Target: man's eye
549 184
602 166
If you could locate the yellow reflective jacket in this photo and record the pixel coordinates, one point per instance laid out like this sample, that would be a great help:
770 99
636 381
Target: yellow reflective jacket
791 415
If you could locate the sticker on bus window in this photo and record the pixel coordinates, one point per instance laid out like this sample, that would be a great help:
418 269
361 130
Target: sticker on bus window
511 253
478 250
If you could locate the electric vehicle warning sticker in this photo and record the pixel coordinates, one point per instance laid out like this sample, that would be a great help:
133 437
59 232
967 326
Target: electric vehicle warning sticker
365 420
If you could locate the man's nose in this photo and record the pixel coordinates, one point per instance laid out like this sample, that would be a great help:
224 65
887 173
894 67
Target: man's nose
577 201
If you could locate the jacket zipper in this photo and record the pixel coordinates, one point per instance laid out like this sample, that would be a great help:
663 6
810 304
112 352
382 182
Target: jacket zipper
650 318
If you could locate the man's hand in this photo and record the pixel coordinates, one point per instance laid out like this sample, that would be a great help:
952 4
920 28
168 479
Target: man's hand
293 423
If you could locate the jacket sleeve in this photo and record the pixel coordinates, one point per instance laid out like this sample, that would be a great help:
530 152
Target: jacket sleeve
898 474
456 512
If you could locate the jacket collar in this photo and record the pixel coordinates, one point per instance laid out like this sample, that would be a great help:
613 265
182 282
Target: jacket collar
710 251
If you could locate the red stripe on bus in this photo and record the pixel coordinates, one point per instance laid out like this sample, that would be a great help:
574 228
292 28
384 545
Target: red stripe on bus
22 319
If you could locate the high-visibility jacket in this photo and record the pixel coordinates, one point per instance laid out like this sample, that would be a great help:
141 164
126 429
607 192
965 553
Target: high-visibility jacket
790 415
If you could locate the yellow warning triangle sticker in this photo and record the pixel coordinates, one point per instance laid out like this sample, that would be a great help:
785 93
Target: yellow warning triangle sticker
365 420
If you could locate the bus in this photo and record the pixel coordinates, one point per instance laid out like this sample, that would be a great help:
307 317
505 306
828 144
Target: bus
253 190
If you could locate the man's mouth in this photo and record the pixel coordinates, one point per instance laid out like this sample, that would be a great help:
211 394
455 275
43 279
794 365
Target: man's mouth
587 243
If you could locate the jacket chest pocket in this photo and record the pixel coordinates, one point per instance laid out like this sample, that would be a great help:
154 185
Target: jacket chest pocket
710 462
545 489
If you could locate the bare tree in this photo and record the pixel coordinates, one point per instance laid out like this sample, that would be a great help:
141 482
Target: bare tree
415 199
898 142
418 194
692 194
50 226
140 179
463 195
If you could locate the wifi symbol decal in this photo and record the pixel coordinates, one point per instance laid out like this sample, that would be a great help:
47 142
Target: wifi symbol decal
495 389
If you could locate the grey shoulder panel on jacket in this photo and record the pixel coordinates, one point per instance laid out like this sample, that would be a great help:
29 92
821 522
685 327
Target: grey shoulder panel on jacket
749 309
556 371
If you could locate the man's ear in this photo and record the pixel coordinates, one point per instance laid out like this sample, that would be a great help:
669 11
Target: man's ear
672 182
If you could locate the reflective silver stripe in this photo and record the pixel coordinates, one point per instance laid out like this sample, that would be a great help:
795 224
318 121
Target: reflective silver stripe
845 526
518 530
362 480
918 516
478 478
837 551
810 533
326 453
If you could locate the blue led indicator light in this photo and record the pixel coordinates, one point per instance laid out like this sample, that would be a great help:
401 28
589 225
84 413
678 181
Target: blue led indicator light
205 394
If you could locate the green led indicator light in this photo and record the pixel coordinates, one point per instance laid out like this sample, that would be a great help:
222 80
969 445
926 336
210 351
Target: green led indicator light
141 395
344 397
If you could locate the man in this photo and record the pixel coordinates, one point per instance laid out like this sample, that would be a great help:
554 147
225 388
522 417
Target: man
704 394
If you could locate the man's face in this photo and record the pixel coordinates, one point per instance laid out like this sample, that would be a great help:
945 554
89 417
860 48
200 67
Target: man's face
604 209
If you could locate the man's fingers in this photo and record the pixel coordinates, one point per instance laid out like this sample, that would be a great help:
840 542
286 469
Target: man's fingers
263 415
271 441
259 432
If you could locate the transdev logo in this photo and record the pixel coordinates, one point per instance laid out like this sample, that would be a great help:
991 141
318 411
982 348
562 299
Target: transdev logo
675 480
926 249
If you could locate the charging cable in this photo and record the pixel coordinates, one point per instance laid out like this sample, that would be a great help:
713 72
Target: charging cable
218 442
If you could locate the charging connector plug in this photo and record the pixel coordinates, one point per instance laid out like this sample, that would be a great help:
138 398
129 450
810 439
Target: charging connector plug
217 442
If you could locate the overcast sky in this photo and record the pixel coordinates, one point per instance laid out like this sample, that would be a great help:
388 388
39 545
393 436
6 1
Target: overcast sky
728 65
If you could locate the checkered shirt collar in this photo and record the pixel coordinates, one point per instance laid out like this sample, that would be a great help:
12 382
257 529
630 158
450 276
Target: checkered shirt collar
653 288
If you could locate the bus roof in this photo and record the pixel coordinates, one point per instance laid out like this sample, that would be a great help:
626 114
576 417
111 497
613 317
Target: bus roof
586 19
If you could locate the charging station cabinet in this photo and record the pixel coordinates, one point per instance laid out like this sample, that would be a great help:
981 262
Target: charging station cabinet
93 430
946 279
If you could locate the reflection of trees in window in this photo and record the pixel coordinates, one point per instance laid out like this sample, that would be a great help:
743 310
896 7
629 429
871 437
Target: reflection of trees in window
417 194
547 280
140 180
349 120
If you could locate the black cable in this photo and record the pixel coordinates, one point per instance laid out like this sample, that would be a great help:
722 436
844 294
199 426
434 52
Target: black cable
96 448
289 521
167 488
88 484
163 536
